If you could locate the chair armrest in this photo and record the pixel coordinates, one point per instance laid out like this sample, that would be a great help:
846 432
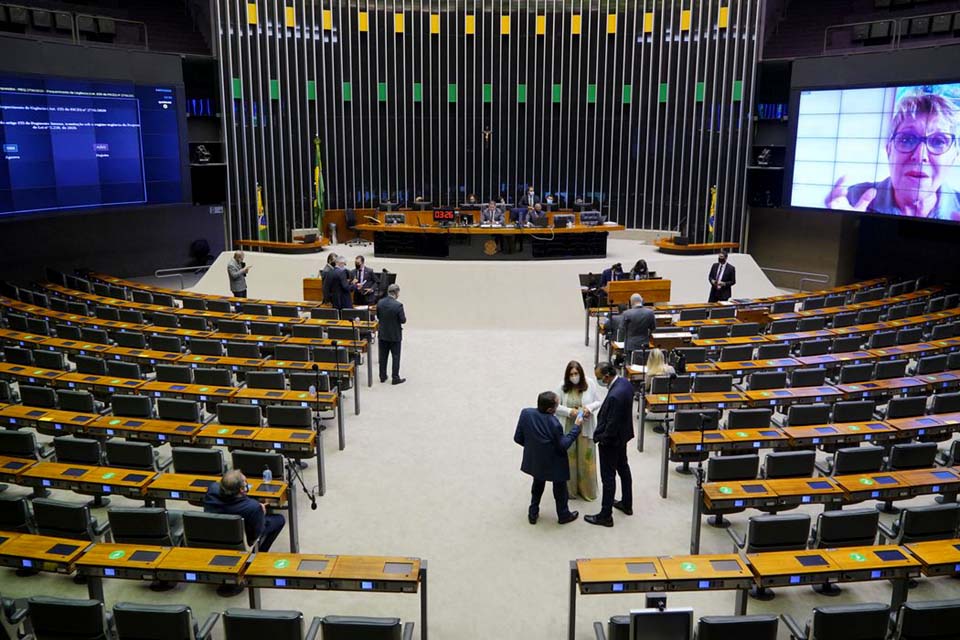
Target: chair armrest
738 541
101 529
314 629
598 631
207 627
164 463
408 631
824 467
942 459
46 452
886 532
18 615
796 631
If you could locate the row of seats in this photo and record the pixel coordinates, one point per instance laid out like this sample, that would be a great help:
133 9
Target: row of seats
819 346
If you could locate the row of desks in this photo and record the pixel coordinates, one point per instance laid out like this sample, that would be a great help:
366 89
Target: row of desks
893 563
256 571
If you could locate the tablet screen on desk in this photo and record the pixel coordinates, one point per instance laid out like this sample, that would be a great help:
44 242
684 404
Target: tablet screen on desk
224 561
876 426
243 432
769 434
274 394
713 436
732 396
944 475
313 565
641 567
725 565
825 430
885 480
133 423
13 464
134 477
926 421
34 414
269 488
177 387
891 555
202 483
300 436
62 549
72 472
753 488
812 561
397 567
819 484
184 428
781 392
144 556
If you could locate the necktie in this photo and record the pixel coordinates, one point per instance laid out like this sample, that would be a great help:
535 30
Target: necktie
720 273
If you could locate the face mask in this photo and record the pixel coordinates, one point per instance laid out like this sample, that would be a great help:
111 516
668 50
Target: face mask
602 382
575 378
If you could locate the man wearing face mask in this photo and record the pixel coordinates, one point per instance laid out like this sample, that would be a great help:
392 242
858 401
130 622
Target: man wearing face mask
366 287
722 278
613 431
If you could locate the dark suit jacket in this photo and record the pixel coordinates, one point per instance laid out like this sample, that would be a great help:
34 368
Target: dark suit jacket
615 418
607 275
544 445
325 282
729 279
368 283
340 289
525 199
638 322
391 317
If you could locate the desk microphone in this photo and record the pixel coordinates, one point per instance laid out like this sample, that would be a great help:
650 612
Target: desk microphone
373 220
314 367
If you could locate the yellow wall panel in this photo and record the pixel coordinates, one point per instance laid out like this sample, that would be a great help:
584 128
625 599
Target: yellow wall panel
612 23
327 19
252 12
363 21
648 23
575 24
469 25
541 25
723 18
434 23
398 22
504 25
685 20
291 17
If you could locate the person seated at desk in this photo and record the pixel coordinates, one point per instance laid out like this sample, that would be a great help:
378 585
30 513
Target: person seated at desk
472 199
491 214
615 272
529 216
229 496
656 366
640 270
366 291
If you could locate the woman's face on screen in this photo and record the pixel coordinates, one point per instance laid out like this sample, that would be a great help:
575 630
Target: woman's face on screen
918 173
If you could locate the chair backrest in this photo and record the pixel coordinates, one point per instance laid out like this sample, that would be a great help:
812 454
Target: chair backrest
324 313
953 360
213 377
67 619
813 303
256 624
799 415
106 313
942 331
850 622
90 365
356 627
213 531
290 417
303 382
918 524
38 325
136 621
255 308
70 332
932 364
206 347
15 514
195 323
131 406
896 312
231 326
757 627
178 409
122 369
18 355
850 373
713 331
912 455
744 329
853 410
220 306
909 335
163 299
18 444
205 462
809 377
197 304
252 463
890 369
946 402
63 519
266 380
243 350
771 351
851 460
908 407
142 296
868 316
749 418
846 319
265 328
850 528
78 450
689 419
916 308
812 324
712 383
692 355
789 464
130 340
767 380
170 344
141 525
165 320
291 352
784 306
693 314
133 316
817 347
846 344
835 300
735 353
782 326
307 330
357 314
32 396
778 533
285 311
238 414
174 373
81 401
932 620
78 308
130 455
733 467
49 359
881 339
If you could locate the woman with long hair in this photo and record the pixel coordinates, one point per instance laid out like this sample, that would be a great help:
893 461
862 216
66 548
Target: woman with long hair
580 393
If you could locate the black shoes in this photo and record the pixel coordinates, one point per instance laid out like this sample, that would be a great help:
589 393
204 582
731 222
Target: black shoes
382 380
619 506
599 520
399 381
532 519
570 517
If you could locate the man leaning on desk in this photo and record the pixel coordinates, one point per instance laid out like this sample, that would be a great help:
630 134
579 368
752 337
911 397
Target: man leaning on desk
229 496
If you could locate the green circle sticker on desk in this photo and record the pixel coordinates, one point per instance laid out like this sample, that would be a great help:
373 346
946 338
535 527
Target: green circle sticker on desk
116 555
282 563
765 394
223 431
108 475
725 490
204 388
689 567
854 427
858 557
741 434
113 422
866 481
115 381
303 395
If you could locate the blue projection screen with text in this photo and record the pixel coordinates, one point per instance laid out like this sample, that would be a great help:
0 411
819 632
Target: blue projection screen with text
72 144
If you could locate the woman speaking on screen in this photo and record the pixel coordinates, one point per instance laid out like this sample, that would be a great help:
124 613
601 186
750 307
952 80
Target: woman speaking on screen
922 153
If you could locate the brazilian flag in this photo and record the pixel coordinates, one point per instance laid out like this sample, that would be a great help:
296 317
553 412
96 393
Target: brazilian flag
317 186
264 231
712 215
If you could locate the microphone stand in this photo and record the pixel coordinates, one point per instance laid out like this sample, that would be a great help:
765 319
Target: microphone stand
336 357
318 428
698 494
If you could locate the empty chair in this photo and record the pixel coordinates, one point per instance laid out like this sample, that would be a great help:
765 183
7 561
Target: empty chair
133 455
772 351
835 300
219 306
130 340
715 312
355 627
15 514
238 414
911 455
7 394
266 380
303 382
199 461
728 468
122 369
68 332
692 420
920 524
744 329
90 365
713 331
851 373
255 624
213 377
816 302
330 354
773 533
306 331
693 314
846 319
253 463
32 396
945 403
943 331
170 344
59 304
22 444
846 344
363 315
692 355
197 304
808 377
882 339
934 620
789 464
799 415
166 320
67 520
145 525
265 328
909 335
812 324
163 299
106 313
916 308
254 309
868 316
80 401
243 350
174 373
749 418
77 308
909 407
817 347
178 409
50 360
289 417
203 347
896 312
324 313
887 369
712 383
782 326
16 322
136 621
231 326
853 410
931 364
767 380
213 531
39 325
194 323
953 360
141 296
90 334
951 300
291 352
18 355
78 450
838 529
737 353
853 460
133 316
131 406
784 306
284 311
64 619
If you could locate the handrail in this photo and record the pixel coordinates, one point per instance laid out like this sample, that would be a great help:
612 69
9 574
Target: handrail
179 271
814 278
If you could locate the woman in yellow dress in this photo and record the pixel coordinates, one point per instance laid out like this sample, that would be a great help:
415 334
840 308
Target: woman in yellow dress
578 392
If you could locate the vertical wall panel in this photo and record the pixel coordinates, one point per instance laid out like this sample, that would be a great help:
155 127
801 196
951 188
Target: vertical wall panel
628 104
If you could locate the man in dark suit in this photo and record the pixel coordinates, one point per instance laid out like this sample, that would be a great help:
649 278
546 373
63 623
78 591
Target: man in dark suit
325 282
391 317
545 454
638 322
366 285
530 198
341 286
722 278
614 430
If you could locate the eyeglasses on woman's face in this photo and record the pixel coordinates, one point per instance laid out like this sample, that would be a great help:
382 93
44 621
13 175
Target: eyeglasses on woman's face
937 143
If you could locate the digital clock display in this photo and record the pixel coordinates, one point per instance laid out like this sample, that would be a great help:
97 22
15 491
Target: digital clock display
444 215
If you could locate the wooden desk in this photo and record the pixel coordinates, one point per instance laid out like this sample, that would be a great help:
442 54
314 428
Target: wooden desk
155 432
793 395
24 374
793 491
910 428
226 436
743 367
51 422
88 479
873 486
40 553
374 573
292 443
222 362
184 486
840 433
195 392
102 385
620 575
290 571
696 572
937 557
130 561
283 247
328 399
313 289
878 562
927 481
669 246
21 339
720 400
143 356
655 290
726 440
880 388
738 494
11 468
706 322
832 360
788 568
208 566
76 347
716 343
